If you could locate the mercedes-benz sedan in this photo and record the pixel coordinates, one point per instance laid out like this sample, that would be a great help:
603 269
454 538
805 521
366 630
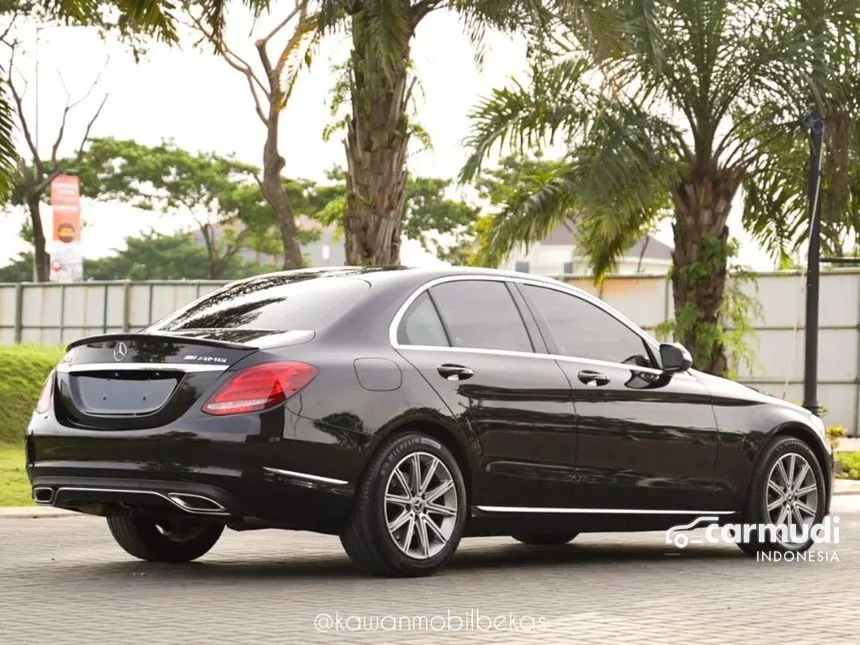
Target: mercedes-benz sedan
405 409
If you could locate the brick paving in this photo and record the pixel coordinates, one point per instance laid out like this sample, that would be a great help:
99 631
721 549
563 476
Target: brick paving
63 580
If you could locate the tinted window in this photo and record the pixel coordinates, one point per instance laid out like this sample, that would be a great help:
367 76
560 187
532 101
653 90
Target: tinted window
273 302
481 314
421 325
582 330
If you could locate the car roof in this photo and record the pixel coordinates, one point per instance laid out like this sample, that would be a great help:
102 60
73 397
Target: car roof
416 276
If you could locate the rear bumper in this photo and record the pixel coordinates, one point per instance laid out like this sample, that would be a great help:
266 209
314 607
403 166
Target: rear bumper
270 502
274 470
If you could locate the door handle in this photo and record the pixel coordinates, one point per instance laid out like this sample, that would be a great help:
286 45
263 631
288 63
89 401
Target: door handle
592 378
455 372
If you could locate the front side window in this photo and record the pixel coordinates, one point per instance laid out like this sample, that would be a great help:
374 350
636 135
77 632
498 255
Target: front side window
583 330
481 314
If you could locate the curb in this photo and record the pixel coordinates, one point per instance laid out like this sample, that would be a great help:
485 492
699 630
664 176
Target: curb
34 512
846 487
841 487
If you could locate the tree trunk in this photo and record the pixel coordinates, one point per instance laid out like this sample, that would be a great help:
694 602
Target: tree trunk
376 147
40 251
700 266
273 190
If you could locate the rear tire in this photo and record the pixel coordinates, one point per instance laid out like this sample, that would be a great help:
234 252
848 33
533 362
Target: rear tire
155 541
802 496
545 539
405 525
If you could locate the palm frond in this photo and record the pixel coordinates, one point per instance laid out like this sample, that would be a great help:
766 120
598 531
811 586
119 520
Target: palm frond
612 188
151 17
557 103
8 156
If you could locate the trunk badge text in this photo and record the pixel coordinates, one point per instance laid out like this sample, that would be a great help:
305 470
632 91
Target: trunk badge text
120 351
205 359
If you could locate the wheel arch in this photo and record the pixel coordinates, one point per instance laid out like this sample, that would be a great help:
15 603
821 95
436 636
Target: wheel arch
805 434
443 430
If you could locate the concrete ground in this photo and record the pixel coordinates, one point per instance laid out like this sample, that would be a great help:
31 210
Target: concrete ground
63 580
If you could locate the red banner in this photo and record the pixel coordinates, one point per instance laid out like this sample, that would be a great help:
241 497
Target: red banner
66 202
67 261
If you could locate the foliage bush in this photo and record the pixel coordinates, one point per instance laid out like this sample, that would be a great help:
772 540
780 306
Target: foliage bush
850 463
834 434
23 370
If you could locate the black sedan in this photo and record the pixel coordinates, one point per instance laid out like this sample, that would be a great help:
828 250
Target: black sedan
403 409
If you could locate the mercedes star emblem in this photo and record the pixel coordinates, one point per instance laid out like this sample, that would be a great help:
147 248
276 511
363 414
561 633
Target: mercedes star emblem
120 351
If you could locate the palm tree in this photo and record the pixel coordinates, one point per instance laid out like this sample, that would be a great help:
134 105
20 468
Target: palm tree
672 122
380 88
777 182
130 18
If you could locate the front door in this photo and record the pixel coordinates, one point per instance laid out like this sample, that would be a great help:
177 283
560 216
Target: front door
647 439
470 341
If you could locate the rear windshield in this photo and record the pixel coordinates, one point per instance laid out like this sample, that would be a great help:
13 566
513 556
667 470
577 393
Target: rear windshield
274 303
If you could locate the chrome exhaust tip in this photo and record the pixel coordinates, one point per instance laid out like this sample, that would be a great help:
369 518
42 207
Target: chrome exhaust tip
43 494
196 503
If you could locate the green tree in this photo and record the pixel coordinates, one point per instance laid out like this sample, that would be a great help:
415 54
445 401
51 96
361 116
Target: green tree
18 270
156 256
222 195
429 213
775 200
152 256
379 84
128 18
36 169
271 86
670 121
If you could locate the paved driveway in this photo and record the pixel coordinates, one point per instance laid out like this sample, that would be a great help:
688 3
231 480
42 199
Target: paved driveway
62 580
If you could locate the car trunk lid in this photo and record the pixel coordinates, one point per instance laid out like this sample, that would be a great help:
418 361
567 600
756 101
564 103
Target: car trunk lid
134 381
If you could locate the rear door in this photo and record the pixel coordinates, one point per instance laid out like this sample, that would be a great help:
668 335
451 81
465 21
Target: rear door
471 342
647 439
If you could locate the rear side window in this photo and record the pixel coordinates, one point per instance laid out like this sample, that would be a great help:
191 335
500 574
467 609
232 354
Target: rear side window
421 325
481 314
275 302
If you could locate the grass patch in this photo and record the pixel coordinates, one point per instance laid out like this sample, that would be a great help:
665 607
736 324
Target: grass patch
850 462
23 370
14 486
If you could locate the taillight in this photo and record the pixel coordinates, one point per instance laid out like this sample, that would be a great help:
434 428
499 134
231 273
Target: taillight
44 402
260 387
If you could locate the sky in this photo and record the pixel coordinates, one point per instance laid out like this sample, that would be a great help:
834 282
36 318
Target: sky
193 97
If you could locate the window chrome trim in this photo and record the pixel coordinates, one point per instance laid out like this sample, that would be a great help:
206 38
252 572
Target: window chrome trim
309 477
65 368
596 511
560 287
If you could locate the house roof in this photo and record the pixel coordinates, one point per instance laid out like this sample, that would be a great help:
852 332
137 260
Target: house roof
654 248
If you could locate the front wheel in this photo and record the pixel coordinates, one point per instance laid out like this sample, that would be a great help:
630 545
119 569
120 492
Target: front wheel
786 499
545 539
164 540
410 509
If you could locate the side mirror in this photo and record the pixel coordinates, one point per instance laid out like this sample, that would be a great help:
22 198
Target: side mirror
675 357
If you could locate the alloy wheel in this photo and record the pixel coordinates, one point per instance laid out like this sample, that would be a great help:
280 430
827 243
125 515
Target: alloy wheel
792 495
421 505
